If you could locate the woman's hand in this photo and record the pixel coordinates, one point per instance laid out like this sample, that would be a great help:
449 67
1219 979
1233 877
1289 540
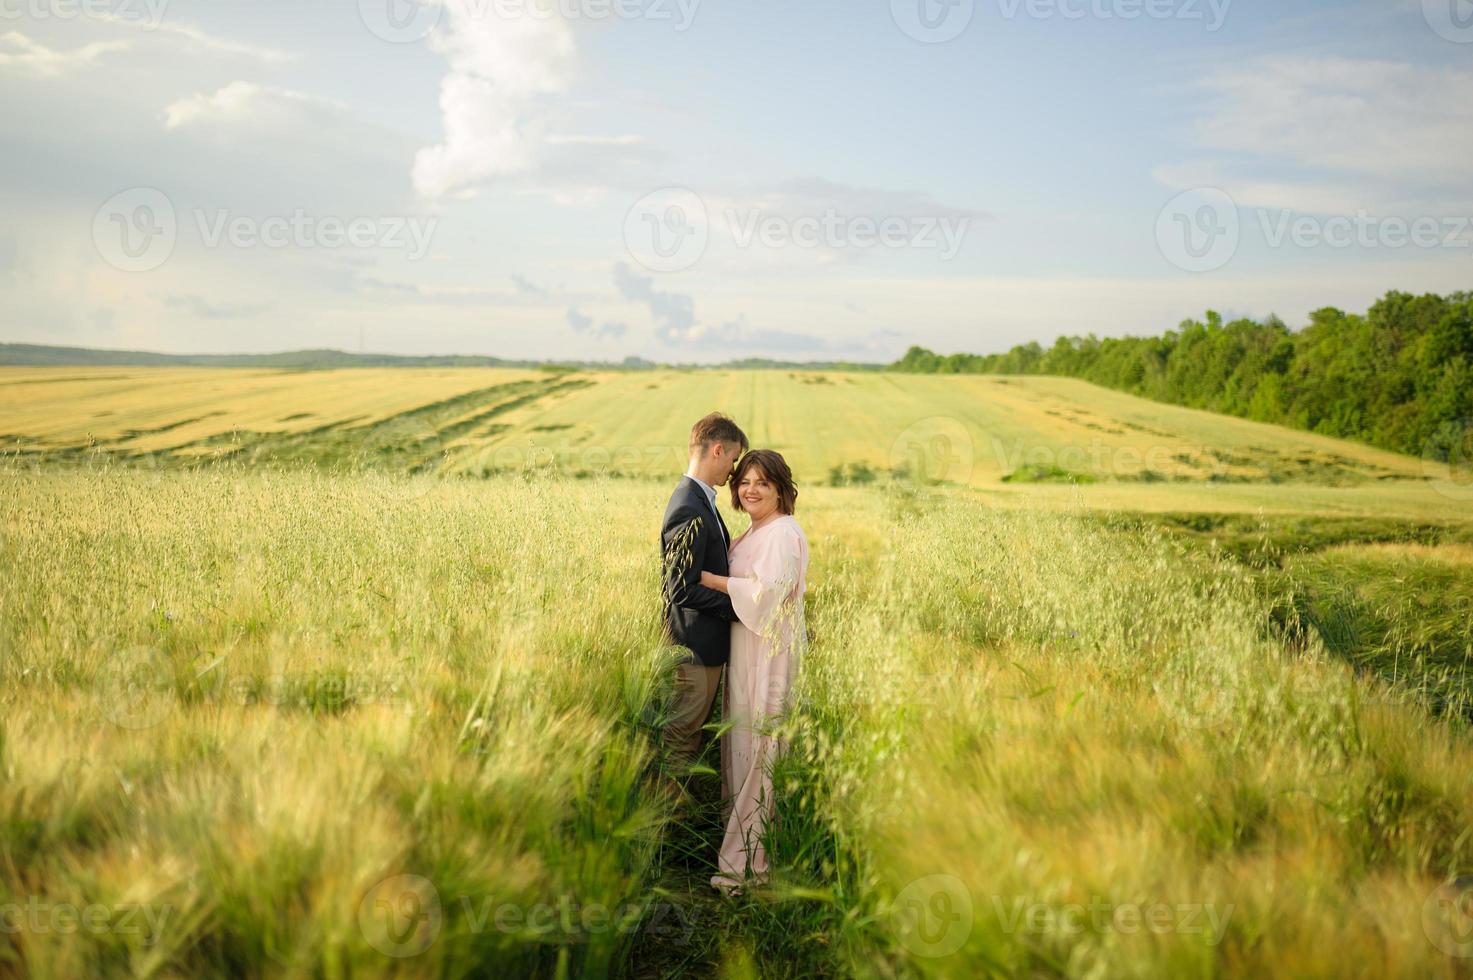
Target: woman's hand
713 581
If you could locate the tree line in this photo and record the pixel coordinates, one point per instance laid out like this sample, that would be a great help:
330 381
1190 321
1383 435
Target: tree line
1399 377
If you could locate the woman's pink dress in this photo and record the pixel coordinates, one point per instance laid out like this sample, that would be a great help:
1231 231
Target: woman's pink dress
768 570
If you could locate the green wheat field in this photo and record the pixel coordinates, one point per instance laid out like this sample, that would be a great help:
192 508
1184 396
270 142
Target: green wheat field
359 673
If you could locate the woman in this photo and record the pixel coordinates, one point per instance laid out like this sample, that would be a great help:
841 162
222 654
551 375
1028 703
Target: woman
769 562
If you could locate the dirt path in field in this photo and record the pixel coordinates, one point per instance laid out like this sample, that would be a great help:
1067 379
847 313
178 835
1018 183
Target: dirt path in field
690 922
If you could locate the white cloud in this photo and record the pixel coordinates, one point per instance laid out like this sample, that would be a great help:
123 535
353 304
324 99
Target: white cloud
1383 119
34 58
252 107
492 101
198 40
1332 135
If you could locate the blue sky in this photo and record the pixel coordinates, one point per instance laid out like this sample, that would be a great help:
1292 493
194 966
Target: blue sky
696 181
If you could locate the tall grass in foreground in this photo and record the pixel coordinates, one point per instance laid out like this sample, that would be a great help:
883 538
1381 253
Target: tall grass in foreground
324 727
1401 611
361 726
1057 750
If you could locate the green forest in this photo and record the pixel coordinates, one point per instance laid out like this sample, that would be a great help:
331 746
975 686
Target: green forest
1399 377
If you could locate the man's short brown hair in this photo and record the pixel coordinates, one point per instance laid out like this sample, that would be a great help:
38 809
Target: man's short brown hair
715 428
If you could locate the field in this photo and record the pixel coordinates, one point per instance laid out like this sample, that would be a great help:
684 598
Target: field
359 674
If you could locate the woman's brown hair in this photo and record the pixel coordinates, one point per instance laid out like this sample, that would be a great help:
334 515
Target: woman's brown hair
775 468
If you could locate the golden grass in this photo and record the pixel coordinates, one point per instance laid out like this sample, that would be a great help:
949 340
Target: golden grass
963 429
1451 554
968 430
331 724
328 725
64 407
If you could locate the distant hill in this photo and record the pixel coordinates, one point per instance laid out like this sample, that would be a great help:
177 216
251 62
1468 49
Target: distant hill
39 355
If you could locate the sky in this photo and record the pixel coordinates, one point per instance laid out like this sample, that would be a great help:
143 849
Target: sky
701 180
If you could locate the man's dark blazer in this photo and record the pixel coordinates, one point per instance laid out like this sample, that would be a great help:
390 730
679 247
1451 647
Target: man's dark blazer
693 541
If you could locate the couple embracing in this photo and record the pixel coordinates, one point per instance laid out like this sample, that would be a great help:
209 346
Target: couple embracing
734 605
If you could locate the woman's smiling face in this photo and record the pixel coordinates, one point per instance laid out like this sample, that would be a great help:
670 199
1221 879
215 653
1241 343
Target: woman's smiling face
757 494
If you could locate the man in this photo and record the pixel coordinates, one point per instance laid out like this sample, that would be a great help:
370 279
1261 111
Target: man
695 539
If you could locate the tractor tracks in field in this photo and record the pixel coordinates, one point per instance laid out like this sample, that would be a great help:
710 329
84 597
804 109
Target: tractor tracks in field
413 441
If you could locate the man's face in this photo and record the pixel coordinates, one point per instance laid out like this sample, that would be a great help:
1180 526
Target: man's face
724 457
